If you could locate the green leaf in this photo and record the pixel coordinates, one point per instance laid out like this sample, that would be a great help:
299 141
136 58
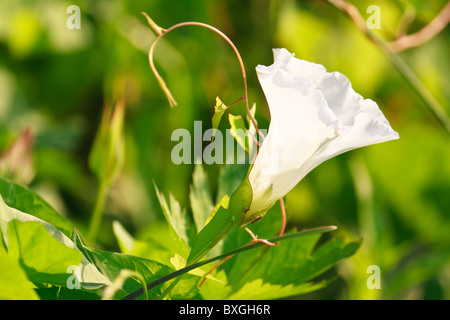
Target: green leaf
111 263
290 264
259 290
241 200
223 222
220 225
125 240
180 223
160 249
225 202
255 290
252 145
200 197
217 249
219 110
239 131
61 293
44 259
193 266
119 281
230 178
46 246
13 280
278 265
264 229
179 262
25 200
215 290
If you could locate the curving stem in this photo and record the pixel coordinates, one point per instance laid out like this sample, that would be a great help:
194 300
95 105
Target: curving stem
161 32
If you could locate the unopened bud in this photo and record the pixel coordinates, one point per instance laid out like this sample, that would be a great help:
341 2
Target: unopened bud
107 154
17 163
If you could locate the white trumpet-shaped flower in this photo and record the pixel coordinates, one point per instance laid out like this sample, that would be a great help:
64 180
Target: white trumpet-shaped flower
315 115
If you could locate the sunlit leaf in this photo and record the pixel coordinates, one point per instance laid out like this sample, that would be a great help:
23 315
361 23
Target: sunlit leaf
179 273
44 251
230 178
25 200
111 263
200 197
239 131
290 262
13 280
178 262
258 289
223 222
155 248
44 259
219 110
179 222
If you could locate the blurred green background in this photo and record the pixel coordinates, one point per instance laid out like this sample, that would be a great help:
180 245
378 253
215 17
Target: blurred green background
395 195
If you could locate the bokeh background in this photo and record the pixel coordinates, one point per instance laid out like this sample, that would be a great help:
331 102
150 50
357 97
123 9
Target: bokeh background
395 195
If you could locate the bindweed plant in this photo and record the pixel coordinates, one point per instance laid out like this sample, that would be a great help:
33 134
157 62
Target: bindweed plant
238 247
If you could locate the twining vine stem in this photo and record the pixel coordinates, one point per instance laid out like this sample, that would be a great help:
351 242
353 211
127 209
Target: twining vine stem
162 32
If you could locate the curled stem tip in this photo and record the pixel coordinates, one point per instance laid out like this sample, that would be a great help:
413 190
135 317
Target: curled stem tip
160 32
160 80
156 29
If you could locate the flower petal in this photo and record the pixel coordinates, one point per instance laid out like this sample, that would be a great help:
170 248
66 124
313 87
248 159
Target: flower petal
315 115
301 122
369 127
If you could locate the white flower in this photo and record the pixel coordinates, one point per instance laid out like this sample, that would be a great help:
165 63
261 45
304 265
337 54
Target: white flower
315 115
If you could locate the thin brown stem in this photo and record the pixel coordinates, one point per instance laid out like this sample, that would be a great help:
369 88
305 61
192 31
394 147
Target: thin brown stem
161 81
405 21
238 100
283 218
254 138
255 240
425 34
214 268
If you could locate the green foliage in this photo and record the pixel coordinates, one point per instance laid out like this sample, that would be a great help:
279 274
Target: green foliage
46 265
40 256
179 222
219 110
25 200
14 281
55 81
238 130
200 197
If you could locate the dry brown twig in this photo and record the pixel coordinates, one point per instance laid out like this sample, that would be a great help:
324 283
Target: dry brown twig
404 41
424 94
425 34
